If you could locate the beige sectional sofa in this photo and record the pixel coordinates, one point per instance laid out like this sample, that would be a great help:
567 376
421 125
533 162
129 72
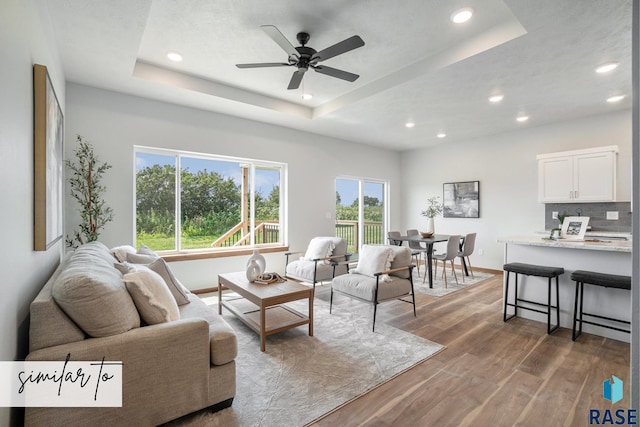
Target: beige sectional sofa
170 369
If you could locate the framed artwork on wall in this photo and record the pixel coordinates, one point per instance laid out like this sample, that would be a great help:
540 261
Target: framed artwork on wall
47 161
461 199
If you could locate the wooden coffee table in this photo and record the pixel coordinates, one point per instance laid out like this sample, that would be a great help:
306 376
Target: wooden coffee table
261 307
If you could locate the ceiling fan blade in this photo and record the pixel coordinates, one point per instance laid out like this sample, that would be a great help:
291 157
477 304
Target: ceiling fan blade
334 72
263 65
282 41
346 45
296 79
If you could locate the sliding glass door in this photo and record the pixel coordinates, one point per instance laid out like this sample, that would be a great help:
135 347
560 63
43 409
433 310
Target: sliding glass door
361 211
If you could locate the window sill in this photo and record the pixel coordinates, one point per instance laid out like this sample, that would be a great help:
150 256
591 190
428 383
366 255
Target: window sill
195 255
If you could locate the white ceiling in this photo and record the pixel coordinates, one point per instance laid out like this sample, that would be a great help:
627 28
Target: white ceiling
416 64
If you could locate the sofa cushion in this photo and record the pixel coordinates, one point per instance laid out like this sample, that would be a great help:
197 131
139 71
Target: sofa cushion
91 292
151 296
374 259
364 287
303 270
223 342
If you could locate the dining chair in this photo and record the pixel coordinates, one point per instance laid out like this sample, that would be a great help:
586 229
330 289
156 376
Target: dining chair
467 249
453 247
391 236
417 249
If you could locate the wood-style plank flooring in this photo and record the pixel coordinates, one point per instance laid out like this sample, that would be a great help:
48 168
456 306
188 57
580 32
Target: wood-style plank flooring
491 373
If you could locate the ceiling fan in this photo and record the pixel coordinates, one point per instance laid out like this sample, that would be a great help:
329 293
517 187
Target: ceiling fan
304 57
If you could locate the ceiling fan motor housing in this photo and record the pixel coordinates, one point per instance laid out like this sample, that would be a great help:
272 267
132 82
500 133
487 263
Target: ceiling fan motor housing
306 53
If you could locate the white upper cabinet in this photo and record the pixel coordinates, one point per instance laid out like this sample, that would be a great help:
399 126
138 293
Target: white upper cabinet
578 176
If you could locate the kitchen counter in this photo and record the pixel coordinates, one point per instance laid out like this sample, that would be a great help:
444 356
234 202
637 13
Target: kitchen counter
592 243
598 253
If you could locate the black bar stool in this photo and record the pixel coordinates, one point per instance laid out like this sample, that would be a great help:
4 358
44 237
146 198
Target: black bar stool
537 271
582 277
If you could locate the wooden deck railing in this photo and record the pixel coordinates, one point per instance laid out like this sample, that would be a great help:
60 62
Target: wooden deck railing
265 232
269 232
348 230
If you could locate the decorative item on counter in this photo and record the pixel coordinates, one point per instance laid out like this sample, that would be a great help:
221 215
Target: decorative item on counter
256 265
434 208
555 234
574 227
269 278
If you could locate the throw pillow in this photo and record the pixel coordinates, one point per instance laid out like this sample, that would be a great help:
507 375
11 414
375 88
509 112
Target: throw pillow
151 297
120 252
95 298
159 266
140 258
145 250
319 247
374 259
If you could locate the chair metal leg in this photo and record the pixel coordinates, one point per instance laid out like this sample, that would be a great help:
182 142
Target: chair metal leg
331 300
375 304
413 295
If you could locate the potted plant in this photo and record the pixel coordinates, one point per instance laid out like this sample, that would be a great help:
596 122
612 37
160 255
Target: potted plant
434 208
85 181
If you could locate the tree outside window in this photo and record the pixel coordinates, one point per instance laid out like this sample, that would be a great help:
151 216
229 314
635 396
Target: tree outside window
216 206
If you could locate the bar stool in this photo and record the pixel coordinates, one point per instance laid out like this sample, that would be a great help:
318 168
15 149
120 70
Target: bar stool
537 271
582 277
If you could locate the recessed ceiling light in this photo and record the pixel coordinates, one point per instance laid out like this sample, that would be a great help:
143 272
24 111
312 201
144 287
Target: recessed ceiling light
307 96
496 98
616 98
174 56
441 135
462 15
609 66
522 118
409 124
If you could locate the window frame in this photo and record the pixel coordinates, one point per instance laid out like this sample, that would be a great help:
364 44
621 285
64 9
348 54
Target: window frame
386 211
179 253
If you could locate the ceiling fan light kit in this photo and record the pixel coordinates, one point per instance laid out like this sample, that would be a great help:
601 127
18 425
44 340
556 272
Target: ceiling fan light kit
304 57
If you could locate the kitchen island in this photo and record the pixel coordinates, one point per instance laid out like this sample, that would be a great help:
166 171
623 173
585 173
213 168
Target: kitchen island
600 253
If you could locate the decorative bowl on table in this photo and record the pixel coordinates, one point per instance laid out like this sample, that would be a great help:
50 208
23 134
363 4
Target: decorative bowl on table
426 234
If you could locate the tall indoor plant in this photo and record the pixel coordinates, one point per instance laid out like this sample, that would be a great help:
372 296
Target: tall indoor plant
86 187
434 208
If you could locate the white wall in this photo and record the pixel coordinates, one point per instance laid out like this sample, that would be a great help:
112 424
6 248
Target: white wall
506 167
114 123
25 39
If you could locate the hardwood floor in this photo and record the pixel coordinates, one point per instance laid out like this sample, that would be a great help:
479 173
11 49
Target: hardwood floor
491 373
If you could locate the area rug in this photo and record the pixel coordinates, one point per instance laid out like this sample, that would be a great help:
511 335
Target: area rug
439 289
300 378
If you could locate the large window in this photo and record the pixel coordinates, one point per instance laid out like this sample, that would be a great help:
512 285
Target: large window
361 211
222 202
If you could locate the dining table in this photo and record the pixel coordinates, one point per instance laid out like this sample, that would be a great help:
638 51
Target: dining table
428 242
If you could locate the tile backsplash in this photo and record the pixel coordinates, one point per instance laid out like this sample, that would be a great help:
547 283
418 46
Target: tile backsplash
597 212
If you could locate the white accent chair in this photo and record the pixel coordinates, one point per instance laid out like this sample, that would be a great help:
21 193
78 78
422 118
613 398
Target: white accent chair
324 258
377 279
